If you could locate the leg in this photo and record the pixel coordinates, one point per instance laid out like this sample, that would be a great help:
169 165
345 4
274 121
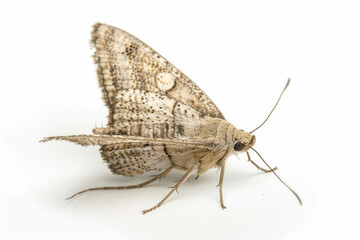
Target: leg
163 174
187 174
222 163
258 167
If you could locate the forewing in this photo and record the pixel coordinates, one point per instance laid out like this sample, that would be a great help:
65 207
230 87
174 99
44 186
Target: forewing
141 87
148 114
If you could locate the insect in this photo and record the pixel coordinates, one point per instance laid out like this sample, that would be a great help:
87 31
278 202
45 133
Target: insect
159 120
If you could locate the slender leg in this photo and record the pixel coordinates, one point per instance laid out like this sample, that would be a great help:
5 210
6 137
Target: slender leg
258 167
163 174
183 179
222 173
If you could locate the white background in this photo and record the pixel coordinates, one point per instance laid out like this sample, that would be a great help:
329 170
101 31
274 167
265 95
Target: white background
240 53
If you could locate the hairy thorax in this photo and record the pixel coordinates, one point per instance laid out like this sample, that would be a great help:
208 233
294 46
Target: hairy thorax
215 130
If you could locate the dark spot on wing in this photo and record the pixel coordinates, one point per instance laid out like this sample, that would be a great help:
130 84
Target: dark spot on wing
181 129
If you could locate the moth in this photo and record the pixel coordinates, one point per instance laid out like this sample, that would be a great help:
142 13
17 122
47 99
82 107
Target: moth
159 120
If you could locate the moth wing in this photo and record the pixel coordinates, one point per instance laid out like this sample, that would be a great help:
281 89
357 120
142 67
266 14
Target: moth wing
132 159
142 88
99 140
131 155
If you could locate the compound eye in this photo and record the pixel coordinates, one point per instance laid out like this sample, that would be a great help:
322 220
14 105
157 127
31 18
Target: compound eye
238 146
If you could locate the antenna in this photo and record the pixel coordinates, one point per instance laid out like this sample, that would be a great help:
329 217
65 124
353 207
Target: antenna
287 84
297 196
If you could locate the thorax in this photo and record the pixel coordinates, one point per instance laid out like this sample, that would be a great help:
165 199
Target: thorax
217 131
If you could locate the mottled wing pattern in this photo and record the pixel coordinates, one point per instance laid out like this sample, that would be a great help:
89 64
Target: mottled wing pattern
152 108
131 159
130 155
151 115
146 95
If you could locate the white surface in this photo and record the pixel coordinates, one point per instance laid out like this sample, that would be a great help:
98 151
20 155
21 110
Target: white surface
240 54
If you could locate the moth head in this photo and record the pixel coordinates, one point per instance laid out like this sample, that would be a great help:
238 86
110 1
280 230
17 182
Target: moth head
243 141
